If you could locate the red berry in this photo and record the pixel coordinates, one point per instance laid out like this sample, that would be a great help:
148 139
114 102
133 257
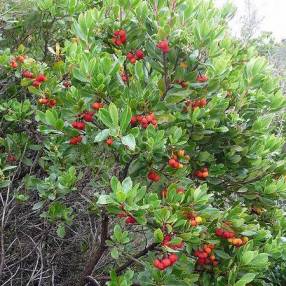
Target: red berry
130 220
153 176
203 102
109 141
173 258
75 140
163 46
41 77
78 125
20 59
88 116
133 120
172 163
202 78
13 64
219 232
119 37
131 57
52 103
201 261
36 83
27 74
11 158
67 84
166 262
124 77
139 55
97 105
158 264
43 101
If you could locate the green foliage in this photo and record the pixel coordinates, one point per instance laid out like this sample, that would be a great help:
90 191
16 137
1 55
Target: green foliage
232 139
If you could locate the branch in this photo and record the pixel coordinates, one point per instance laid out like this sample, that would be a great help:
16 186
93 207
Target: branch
138 255
97 252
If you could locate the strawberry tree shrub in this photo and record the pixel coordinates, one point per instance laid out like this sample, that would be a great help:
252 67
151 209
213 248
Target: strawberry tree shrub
176 122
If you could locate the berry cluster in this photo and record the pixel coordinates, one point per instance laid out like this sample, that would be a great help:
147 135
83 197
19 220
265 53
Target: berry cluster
124 76
175 246
163 46
153 176
198 103
48 102
174 160
182 83
202 78
205 255
86 116
129 219
119 37
17 60
97 105
231 237
165 262
75 140
27 74
79 125
139 55
194 220
144 120
202 173
39 80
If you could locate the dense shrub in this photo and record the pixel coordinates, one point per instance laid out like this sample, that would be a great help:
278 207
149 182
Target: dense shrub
165 127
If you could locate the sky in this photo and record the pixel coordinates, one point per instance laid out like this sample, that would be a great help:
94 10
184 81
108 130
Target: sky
272 13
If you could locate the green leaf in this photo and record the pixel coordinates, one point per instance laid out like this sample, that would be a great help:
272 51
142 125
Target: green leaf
176 96
127 184
61 231
246 278
102 135
104 116
125 119
113 112
129 141
158 235
114 253
104 200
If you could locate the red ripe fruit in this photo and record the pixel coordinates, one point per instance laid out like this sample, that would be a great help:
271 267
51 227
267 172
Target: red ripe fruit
41 78
172 163
78 125
201 261
27 74
43 101
219 232
109 141
75 140
13 64
52 103
20 59
228 234
164 46
202 78
139 55
133 120
130 220
207 250
97 105
180 191
173 258
132 58
153 176
215 263
11 158
158 264
124 77
36 83
166 262
67 84
88 116
203 102
119 37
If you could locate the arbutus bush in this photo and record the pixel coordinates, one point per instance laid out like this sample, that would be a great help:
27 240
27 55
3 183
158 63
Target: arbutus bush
176 121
